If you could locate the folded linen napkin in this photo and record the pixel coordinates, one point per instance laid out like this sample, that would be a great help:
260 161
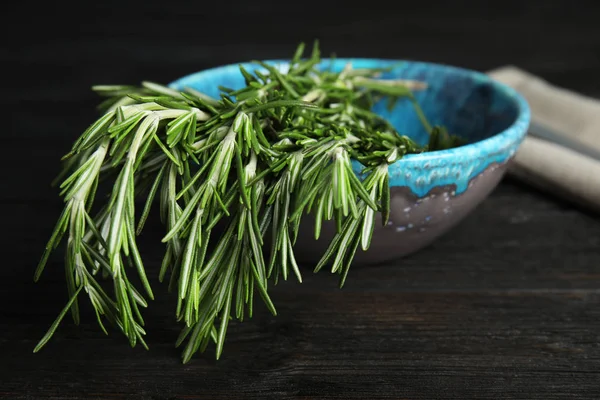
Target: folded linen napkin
561 153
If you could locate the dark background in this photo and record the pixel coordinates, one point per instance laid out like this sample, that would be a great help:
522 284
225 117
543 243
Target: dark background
505 306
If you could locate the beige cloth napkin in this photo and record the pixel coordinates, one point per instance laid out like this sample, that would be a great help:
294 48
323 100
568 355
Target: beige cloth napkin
561 153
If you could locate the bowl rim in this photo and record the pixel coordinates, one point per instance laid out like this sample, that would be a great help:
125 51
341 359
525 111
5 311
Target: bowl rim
501 142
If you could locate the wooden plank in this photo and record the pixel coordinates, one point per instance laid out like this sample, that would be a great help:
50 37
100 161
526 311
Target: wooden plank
504 306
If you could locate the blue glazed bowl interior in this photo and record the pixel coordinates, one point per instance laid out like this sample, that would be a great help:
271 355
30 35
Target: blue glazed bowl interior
492 117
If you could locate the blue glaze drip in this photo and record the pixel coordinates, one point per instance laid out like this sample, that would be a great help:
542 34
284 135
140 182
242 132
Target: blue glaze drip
493 117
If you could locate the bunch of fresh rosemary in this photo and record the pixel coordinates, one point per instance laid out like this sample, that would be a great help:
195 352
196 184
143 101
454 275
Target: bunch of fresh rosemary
253 163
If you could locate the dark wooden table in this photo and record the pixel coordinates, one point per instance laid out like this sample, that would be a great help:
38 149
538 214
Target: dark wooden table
505 306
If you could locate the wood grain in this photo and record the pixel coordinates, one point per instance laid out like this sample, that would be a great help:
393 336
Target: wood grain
505 306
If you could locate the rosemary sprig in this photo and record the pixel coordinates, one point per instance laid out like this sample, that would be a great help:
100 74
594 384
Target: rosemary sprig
234 177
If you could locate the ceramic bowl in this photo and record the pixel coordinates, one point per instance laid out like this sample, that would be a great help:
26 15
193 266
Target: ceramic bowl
433 191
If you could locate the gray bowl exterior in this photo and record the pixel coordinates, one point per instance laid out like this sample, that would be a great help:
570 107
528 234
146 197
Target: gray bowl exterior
414 223
433 191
